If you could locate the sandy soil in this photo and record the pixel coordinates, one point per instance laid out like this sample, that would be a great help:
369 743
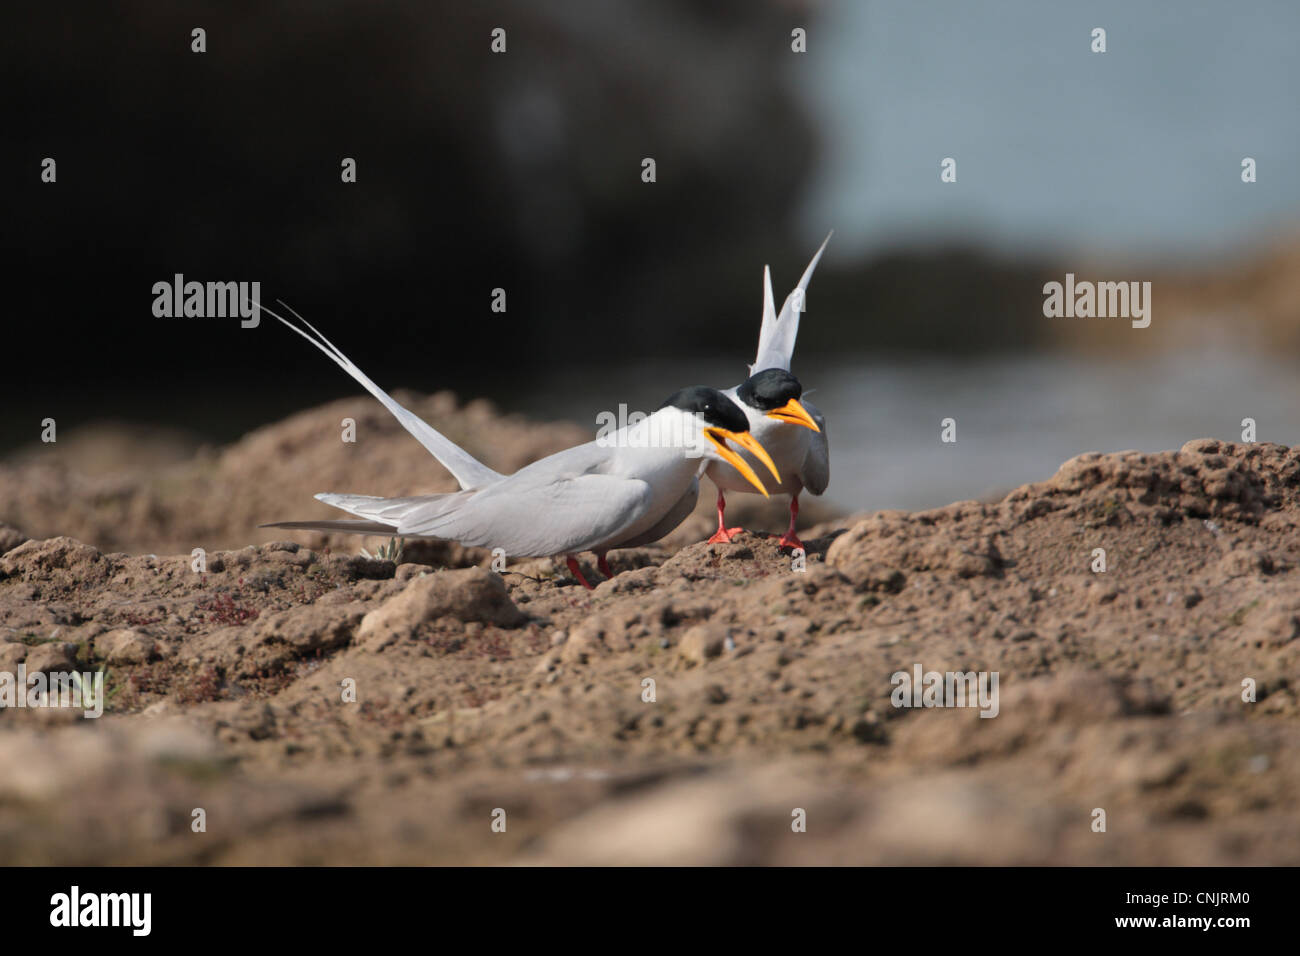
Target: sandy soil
520 697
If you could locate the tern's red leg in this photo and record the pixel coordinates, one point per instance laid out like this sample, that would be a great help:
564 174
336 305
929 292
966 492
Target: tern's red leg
603 564
724 534
790 539
576 571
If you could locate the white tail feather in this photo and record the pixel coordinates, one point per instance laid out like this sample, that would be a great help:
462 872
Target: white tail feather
465 468
777 336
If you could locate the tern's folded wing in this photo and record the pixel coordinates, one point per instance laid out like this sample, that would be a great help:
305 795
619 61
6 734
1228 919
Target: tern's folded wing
669 522
816 471
534 515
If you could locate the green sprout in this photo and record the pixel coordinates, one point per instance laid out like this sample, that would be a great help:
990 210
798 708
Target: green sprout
392 551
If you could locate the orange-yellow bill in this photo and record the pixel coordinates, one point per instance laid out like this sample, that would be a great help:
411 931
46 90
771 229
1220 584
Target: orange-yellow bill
746 441
795 414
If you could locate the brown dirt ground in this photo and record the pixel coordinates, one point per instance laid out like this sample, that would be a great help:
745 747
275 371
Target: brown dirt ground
522 693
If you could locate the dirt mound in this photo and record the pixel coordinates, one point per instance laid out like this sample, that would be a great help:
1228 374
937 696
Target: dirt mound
700 707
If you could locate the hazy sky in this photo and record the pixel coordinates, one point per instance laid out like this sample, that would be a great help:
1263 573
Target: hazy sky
1134 151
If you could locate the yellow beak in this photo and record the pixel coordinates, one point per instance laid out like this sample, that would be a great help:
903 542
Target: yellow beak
748 442
795 414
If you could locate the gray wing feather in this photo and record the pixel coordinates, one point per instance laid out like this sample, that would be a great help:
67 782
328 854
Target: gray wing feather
347 526
675 516
562 516
816 471
391 511
379 515
561 504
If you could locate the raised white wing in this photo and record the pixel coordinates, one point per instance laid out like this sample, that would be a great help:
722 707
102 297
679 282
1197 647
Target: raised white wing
777 335
465 468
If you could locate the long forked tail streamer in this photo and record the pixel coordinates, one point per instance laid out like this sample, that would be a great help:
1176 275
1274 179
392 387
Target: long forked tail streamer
467 470
777 336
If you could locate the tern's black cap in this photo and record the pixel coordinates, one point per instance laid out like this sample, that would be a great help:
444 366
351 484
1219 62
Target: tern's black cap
715 407
769 389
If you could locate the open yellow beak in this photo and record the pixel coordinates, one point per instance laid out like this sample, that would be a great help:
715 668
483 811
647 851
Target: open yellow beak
795 414
748 442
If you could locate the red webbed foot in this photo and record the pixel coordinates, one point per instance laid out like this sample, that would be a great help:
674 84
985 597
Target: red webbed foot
791 540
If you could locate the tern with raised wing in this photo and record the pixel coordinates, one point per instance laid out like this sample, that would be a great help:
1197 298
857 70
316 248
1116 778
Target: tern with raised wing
621 490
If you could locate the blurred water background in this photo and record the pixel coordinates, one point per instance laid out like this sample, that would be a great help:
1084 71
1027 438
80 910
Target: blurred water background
1135 151
1018 416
